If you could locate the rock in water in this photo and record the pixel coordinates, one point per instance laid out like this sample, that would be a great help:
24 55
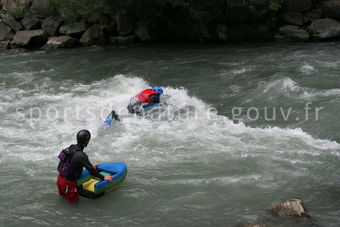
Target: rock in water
290 208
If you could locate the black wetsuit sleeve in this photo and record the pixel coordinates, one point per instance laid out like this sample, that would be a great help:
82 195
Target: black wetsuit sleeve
87 164
154 99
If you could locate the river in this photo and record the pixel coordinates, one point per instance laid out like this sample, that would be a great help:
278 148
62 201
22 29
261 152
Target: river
246 126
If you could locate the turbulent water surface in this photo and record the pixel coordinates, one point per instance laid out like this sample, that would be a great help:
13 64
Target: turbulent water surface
245 127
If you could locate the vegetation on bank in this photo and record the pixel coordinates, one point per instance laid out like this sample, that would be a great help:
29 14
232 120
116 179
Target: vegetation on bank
90 22
197 10
173 19
147 8
189 19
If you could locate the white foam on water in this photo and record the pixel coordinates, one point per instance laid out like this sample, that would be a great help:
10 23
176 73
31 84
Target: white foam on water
323 93
284 84
240 71
190 124
287 87
217 180
330 64
273 89
307 69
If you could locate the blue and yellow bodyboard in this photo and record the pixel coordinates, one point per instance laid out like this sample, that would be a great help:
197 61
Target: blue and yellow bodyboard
94 188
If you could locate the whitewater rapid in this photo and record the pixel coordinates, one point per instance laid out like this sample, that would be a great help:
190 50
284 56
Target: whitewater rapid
75 106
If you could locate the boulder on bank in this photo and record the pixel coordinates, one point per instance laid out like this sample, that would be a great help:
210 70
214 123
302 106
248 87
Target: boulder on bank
222 32
297 5
249 32
331 9
31 23
124 23
312 15
239 14
30 39
56 42
107 23
282 39
99 18
290 208
294 32
4 45
5 32
142 31
110 28
51 25
123 39
68 15
293 18
43 8
325 28
93 35
10 21
74 30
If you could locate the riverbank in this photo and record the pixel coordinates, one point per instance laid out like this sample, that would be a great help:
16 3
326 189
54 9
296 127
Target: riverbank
52 24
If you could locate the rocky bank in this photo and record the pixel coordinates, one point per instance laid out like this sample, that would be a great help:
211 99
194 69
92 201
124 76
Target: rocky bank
32 24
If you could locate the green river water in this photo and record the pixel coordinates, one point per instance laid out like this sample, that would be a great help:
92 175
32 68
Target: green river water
247 126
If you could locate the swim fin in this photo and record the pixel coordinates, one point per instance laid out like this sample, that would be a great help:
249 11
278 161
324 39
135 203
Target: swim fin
110 117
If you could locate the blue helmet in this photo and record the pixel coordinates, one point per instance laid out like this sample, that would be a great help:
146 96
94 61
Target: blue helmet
157 89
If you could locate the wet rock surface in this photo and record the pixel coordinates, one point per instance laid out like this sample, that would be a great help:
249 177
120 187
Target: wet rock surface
290 208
